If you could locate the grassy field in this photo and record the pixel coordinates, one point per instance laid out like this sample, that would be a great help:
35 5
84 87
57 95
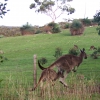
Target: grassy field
16 73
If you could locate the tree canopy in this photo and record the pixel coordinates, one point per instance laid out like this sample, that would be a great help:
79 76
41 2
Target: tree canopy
50 7
3 9
97 16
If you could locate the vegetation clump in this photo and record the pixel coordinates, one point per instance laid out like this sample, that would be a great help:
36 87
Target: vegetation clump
73 51
43 60
98 29
58 53
86 21
76 28
96 53
55 27
27 26
27 29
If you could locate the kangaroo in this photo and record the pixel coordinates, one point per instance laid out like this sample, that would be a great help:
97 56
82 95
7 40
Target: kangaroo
93 48
48 75
67 63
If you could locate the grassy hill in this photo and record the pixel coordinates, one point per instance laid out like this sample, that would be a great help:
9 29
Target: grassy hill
20 50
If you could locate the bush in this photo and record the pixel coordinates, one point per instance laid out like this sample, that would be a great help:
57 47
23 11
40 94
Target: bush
27 29
2 58
55 27
74 51
76 28
98 29
76 24
58 53
67 25
86 22
94 55
98 49
43 60
38 31
98 23
27 26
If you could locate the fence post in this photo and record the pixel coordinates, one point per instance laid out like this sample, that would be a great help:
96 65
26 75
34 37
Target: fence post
34 70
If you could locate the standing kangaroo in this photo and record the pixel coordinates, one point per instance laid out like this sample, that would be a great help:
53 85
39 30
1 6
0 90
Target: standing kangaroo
67 63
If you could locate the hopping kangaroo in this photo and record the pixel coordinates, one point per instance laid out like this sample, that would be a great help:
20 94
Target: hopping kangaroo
67 63
48 75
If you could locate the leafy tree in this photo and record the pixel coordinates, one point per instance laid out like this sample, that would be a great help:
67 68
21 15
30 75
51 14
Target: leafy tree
97 19
50 7
3 9
97 16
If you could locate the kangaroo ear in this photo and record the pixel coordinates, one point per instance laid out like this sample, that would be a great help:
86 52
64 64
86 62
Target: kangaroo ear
80 50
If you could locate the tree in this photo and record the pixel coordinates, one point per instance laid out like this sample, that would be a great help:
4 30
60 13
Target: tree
97 16
97 19
50 7
3 9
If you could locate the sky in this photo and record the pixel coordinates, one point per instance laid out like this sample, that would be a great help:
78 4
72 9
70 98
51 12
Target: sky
20 13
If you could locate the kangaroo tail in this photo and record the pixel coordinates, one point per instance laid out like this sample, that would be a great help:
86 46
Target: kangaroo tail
41 67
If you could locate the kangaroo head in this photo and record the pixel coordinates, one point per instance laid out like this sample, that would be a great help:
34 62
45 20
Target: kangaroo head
83 53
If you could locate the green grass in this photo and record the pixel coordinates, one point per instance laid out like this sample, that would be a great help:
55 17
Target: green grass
20 51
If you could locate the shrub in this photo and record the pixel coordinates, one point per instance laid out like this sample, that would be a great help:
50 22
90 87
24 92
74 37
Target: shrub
43 60
26 26
99 23
73 51
76 28
86 21
55 27
98 49
27 29
76 24
98 29
67 25
2 58
38 31
94 54
58 53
